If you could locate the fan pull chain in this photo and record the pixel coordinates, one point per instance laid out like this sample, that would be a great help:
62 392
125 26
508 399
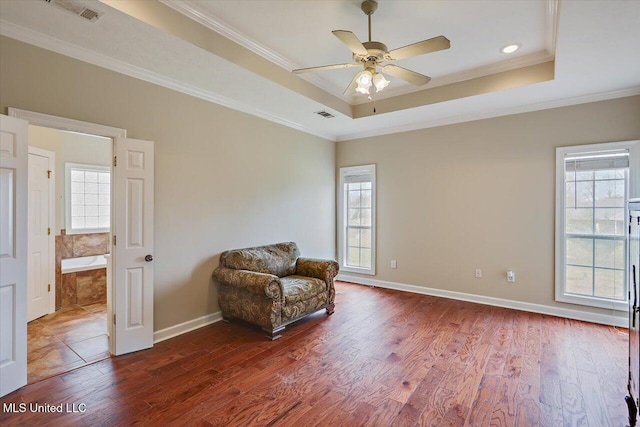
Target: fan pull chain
373 97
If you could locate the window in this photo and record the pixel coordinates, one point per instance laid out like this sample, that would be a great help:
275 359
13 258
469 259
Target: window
592 187
356 219
88 198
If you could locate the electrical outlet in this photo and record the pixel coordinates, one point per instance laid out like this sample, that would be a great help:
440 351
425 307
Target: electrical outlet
478 273
394 264
511 276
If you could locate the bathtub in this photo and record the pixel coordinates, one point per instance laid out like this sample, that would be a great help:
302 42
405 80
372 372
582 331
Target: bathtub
72 265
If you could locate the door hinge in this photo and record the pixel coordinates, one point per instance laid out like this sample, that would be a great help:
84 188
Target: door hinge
115 160
114 240
49 174
48 231
114 319
49 287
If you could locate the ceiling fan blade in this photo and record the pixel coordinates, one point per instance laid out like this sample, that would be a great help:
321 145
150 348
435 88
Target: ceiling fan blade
426 46
350 90
351 41
406 75
324 67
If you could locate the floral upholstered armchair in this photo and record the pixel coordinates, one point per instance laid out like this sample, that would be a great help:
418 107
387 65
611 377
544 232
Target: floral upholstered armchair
272 286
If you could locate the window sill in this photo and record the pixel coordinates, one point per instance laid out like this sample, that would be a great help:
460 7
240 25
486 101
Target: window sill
594 302
88 231
370 272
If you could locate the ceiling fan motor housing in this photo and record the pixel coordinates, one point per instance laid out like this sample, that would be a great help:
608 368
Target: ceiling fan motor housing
376 52
369 6
370 54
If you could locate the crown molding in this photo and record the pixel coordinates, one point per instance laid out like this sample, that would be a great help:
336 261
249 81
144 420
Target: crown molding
566 102
486 70
35 38
552 18
194 12
43 41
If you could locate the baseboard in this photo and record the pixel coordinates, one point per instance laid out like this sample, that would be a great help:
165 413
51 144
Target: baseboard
188 326
498 302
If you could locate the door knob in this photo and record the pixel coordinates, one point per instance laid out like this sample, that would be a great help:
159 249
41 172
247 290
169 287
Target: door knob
148 258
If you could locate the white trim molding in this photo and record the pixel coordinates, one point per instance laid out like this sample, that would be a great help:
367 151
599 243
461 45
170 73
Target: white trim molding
35 38
474 73
184 327
195 12
489 113
568 313
198 14
364 174
63 123
560 235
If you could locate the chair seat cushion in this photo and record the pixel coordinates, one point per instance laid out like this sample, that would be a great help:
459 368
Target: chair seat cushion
300 288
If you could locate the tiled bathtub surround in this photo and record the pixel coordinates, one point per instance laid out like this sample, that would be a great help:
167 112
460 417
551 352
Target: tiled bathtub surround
83 287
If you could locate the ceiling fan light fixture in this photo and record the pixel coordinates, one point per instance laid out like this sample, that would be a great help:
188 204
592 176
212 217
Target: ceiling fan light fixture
364 79
371 54
380 82
363 89
510 48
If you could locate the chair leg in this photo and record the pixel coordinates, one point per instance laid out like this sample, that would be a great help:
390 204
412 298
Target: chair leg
226 319
331 308
274 334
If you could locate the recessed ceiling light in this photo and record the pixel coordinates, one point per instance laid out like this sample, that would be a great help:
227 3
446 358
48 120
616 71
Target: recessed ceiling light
510 48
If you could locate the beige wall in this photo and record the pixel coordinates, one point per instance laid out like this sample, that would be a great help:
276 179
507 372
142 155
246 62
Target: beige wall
223 179
69 147
450 199
480 195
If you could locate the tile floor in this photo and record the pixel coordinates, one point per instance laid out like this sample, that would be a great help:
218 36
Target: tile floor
69 338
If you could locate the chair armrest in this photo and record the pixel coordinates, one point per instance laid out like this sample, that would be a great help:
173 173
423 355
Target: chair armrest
257 283
322 269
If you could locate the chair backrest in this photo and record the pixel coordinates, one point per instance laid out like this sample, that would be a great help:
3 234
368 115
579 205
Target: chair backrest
278 259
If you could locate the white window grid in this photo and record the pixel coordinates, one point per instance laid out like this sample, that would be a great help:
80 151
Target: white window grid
356 219
359 228
594 154
88 194
598 238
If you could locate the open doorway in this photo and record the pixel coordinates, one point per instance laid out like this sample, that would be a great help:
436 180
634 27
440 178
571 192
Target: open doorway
130 273
71 330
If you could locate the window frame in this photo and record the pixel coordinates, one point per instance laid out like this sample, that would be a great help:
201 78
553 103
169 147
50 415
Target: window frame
560 230
68 167
342 218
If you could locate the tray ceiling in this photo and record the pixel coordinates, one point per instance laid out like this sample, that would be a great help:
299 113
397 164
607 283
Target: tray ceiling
240 54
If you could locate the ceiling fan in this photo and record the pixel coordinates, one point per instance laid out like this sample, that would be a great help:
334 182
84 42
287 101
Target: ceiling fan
370 54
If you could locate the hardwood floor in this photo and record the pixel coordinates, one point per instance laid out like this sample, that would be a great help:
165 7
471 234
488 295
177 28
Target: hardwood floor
71 337
384 358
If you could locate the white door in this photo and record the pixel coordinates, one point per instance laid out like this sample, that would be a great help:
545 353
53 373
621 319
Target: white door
13 253
133 246
40 268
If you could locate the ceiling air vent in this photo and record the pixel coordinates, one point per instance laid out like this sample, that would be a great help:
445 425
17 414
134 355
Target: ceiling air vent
77 8
324 114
